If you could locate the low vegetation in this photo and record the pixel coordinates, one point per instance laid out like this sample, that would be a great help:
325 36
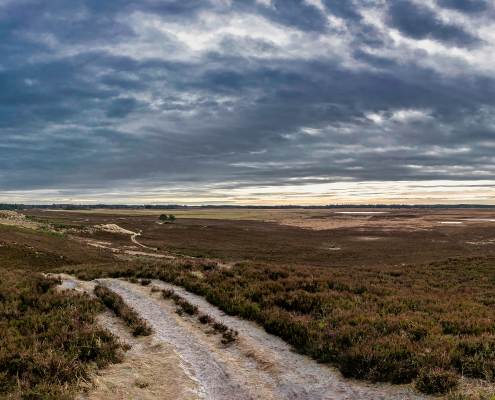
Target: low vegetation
112 300
49 342
228 334
425 323
37 231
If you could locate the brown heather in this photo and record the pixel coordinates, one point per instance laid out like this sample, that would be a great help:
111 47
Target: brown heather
48 340
228 335
112 300
425 323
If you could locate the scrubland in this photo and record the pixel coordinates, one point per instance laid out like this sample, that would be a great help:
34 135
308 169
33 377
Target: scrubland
49 342
427 323
398 313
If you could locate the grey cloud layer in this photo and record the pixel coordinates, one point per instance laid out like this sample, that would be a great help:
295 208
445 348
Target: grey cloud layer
420 23
100 94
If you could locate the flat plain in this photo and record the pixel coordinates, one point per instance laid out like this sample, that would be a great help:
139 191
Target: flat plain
390 295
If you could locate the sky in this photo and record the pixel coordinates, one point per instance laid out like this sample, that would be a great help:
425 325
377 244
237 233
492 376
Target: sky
247 101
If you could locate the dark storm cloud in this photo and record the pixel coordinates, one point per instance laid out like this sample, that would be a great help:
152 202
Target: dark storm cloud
342 9
467 6
421 23
295 13
100 94
121 108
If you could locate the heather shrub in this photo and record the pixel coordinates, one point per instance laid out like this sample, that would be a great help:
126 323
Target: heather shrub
204 318
436 380
49 340
376 323
112 300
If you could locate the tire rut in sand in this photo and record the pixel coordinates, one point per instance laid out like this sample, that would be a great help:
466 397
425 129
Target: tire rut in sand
216 378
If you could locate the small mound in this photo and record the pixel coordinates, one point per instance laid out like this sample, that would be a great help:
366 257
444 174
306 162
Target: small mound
113 228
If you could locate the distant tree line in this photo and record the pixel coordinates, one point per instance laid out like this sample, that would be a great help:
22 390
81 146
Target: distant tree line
9 206
6 206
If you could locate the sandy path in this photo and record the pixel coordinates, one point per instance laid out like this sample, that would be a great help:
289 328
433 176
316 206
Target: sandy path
133 238
114 228
257 366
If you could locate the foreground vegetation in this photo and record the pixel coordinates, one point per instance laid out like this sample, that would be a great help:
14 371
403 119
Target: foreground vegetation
49 342
426 324
113 301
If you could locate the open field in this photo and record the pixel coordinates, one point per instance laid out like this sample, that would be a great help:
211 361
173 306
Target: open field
400 237
404 297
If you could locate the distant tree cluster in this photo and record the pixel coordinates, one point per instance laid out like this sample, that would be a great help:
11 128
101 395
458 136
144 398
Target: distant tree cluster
165 217
185 207
8 206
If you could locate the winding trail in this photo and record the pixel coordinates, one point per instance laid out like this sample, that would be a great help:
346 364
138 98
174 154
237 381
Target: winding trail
114 228
257 366
133 238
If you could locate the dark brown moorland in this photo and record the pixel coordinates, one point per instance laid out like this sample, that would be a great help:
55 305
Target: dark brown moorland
406 296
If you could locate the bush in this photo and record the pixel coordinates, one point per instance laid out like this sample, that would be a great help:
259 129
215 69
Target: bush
187 307
218 326
229 336
436 380
376 323
169 294
165 217
205 319
49 340
112 300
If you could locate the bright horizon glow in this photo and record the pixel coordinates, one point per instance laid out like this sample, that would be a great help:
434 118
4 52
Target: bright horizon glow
358 193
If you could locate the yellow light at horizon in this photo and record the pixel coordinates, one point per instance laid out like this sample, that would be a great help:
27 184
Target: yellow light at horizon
349 192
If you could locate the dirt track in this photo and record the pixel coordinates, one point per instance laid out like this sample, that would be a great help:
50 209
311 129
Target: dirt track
257 366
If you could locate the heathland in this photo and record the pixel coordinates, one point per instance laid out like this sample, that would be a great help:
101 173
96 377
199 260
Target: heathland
405 297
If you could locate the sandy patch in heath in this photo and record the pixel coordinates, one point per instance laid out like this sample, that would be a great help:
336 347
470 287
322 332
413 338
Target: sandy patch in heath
142 253
15 219
345 221
480 243
113 228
